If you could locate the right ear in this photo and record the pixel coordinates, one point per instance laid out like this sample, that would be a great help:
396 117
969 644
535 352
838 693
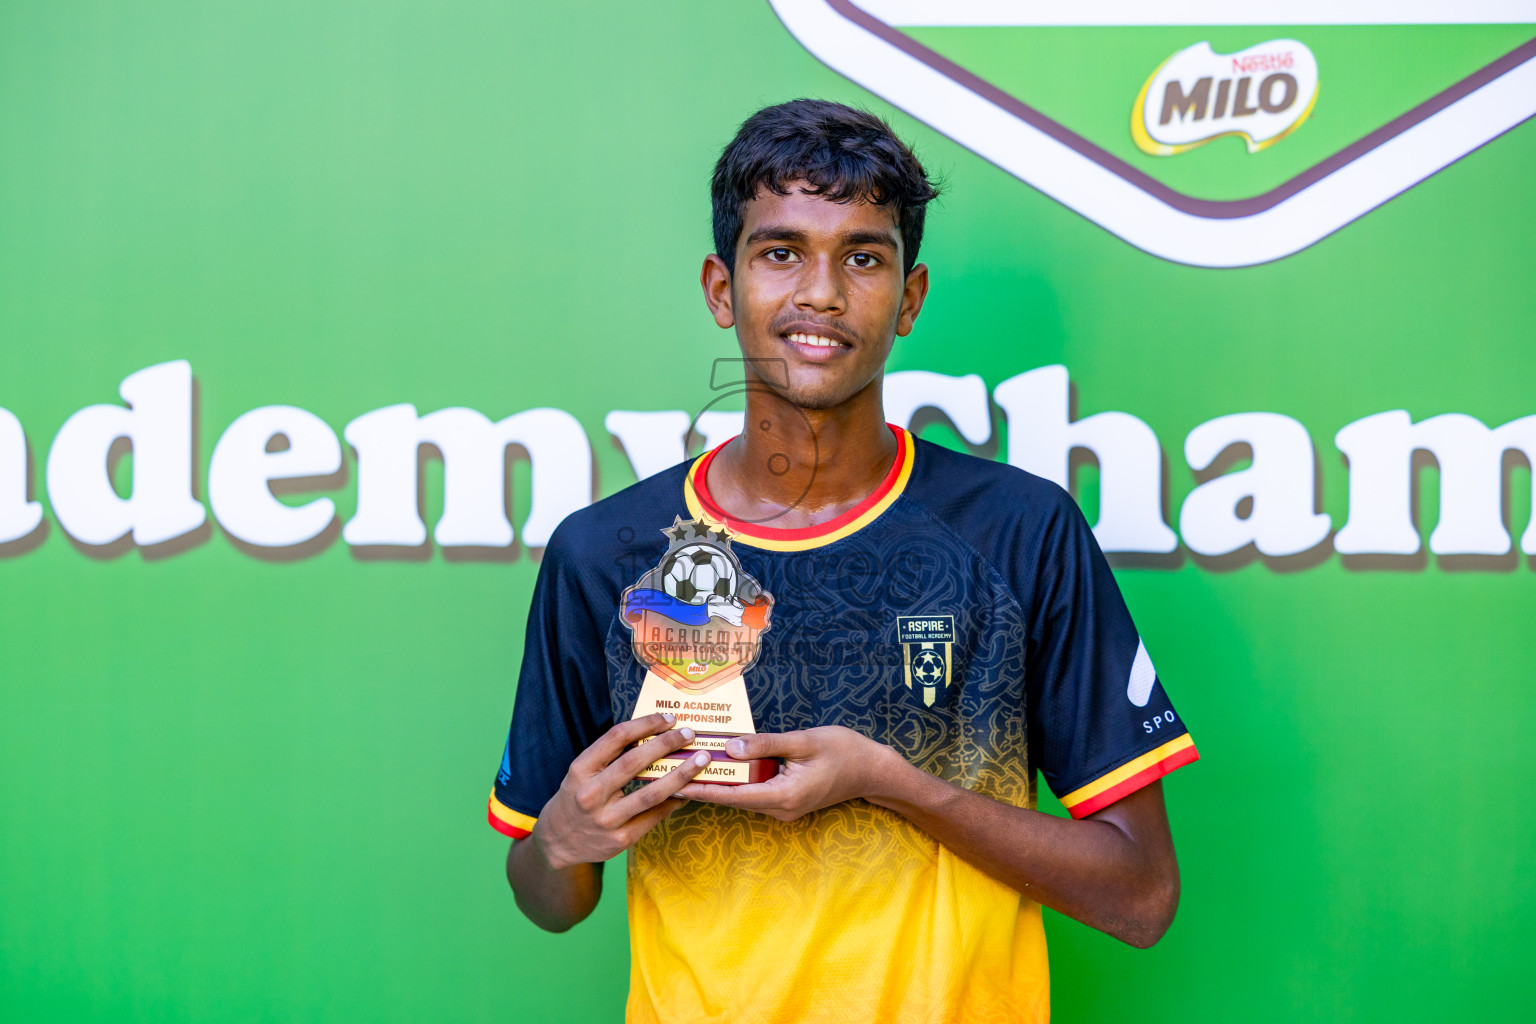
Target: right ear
716 279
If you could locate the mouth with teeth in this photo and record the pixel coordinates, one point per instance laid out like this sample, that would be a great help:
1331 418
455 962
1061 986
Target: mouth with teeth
816 347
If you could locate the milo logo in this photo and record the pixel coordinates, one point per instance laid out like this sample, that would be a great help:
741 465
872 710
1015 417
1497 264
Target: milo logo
1262 93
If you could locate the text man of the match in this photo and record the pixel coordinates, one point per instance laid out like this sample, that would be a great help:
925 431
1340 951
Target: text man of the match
943 627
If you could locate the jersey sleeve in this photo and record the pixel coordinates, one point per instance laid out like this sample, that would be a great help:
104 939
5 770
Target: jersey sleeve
562 703
1101 725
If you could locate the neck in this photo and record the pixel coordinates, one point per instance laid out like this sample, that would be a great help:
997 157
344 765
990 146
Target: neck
793 467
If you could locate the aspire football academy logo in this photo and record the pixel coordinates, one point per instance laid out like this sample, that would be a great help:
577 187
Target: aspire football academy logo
1041 90
926 643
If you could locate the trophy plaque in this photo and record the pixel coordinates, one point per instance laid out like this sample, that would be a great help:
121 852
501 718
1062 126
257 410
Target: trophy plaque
697 621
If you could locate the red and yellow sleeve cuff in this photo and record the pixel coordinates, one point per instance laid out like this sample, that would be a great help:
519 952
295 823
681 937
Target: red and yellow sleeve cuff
1130 777
507 821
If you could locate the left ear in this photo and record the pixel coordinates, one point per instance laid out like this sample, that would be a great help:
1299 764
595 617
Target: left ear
716 281
913 292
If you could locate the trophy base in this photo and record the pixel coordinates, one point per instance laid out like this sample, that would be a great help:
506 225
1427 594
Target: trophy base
723 770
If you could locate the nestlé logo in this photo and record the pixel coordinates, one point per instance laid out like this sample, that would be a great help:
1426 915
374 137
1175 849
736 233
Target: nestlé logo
1262 93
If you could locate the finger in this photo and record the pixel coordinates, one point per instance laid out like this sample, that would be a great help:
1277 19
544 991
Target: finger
757 796
633 761
771 744
664 787
612 743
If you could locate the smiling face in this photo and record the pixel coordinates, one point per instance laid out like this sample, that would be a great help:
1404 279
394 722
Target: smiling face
818 295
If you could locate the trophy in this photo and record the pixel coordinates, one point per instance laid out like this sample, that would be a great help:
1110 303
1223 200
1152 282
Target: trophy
697 621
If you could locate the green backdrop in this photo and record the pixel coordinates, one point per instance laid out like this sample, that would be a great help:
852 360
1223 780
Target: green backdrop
245 789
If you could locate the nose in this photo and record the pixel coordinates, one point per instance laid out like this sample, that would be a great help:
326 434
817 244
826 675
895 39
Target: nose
820 287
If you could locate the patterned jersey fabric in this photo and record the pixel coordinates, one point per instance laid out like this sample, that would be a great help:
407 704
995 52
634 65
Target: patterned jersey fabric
963 615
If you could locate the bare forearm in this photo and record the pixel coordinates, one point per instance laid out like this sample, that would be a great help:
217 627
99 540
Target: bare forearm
1114 871
555 900
1093 870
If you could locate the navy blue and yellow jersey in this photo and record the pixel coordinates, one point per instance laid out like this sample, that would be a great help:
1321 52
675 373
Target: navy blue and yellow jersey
963 615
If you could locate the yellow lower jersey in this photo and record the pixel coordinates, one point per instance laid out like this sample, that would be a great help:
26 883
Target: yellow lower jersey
850 914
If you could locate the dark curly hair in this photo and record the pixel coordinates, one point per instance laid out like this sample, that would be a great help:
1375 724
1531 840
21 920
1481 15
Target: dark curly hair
841 153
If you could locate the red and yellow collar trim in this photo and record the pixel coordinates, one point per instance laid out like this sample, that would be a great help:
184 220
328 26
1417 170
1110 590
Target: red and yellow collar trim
700 505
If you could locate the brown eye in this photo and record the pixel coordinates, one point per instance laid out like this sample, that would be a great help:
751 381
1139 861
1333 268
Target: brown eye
862 259
779 255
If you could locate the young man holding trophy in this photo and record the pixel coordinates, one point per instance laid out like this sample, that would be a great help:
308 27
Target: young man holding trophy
807 679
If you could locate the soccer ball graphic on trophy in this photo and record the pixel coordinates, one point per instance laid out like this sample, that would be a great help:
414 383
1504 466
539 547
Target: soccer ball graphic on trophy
696 572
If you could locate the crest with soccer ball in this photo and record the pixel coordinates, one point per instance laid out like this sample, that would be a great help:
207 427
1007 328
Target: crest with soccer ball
926 642
697 617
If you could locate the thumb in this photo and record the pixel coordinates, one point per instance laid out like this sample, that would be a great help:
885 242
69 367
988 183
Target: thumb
768 744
